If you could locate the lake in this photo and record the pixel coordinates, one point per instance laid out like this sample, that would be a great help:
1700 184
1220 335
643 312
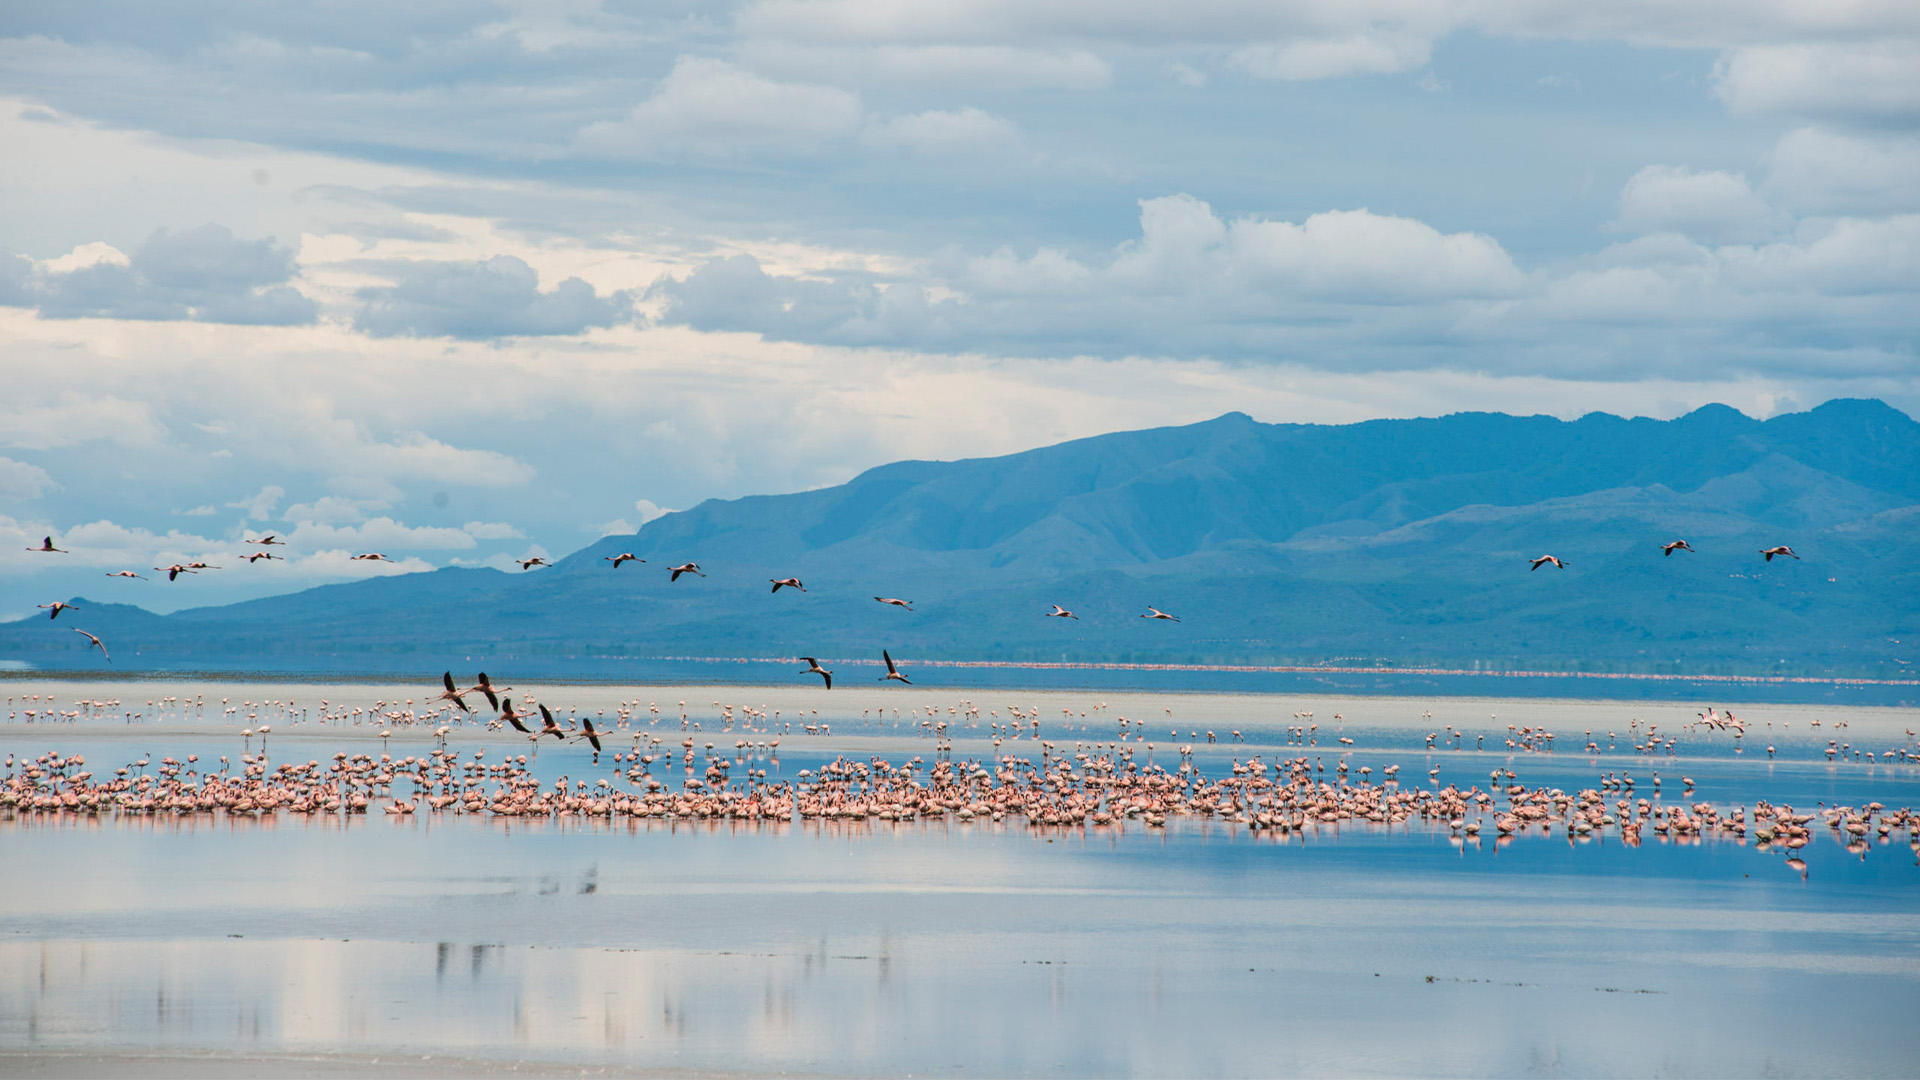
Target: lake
443 943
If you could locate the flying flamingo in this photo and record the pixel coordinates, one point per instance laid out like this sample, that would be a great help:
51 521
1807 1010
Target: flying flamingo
1544 560
908 604
371 556
59 606
625 556
1059 612
532 561
548 727
893 672
586 732
258 555
689 568
1156 613
267 541
511 717
1781 550
97 644
451 694
127 573
47 545
814 668
201 566
484 687
1677 545
791 583
175 570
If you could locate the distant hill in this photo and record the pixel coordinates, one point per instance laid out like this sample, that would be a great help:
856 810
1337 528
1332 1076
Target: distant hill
1402 541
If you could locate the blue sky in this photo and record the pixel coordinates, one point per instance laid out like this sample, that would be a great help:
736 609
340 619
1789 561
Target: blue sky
461 282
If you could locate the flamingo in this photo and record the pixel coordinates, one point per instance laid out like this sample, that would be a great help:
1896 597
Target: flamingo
1156 613
175 571
893 672
198 565
97 643
59 606
511 717
451 694
586 732
267 541
127 573
47 546
548 727
625 556
791 583
688 568
1059 612
532 561
486 688
1545 559
258 555
814 668
1677 545
1781 550
908 604
371 556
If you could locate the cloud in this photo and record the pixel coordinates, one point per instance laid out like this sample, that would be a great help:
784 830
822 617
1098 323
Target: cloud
333 510
1818 171
491 530
1873 81
19 480
205 274
650 510
260 506
1326 58
499 297
79 418
711 107
378 534
944 132
1712 206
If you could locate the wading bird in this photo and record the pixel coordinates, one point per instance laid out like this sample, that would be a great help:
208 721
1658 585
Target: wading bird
532 561
371 556
548 727
59 606
174 571
96 643
625 556
1544 560
267 541
484 687
1781 550
688 568
1156 613
1059 612
258 555
908 604
450 693
814 668
586 732
1677 545
791 583
127 573
893 672
511 717
47 545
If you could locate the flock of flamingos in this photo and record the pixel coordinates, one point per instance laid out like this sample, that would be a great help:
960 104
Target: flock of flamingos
1100 784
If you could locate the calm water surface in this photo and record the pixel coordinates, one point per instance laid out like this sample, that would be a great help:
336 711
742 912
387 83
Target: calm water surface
973 948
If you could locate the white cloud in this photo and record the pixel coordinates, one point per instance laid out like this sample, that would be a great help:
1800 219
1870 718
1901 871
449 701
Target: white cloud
616 527
712 107
260 506
1874 80
1325 58
333 510
491 530
19 480
1712 206
1000 68
1814 170
378 534
944 131
649 510
83 257
1373 258
78 418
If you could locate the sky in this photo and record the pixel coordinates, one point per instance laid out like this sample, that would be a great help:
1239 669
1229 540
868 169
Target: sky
464 282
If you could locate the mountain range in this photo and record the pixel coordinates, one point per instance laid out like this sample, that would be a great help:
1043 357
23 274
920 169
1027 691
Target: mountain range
1390 542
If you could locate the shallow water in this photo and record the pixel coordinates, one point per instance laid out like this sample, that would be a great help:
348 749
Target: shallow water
977 948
